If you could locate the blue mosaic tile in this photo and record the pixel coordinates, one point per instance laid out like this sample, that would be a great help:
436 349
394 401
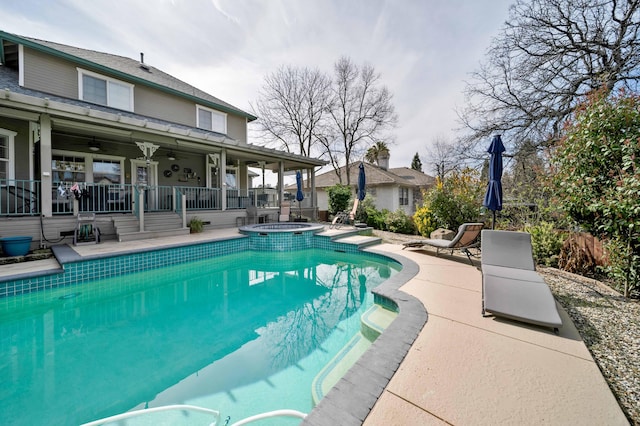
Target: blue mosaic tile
97 269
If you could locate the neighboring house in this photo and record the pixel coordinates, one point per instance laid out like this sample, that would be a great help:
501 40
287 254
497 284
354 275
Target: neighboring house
391 188
131 137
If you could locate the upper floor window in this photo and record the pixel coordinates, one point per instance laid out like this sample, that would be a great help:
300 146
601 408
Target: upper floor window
6 153
102 90
209 119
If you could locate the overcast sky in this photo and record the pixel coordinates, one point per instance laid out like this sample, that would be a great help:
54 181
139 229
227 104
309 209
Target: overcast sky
423 49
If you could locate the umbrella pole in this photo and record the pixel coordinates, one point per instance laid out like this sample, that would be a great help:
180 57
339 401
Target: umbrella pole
493 223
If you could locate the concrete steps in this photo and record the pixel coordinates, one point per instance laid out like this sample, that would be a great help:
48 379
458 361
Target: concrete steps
156 225
360 237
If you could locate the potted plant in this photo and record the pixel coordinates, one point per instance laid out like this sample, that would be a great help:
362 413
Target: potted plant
196 225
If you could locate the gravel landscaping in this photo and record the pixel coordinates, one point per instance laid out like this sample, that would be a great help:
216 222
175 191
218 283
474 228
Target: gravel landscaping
608 323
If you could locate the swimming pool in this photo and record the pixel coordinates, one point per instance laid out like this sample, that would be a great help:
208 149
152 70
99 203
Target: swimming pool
181 334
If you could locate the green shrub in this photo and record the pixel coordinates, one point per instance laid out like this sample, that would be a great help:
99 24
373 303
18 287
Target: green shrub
546 242
196 225
377 218
456 199
424 221
399 222
339 196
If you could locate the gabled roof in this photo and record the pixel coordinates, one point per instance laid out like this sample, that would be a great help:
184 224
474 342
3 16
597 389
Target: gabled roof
124 68
401 176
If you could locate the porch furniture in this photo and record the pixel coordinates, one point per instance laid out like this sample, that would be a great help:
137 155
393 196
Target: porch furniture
253 217
511 287
464 240
285 212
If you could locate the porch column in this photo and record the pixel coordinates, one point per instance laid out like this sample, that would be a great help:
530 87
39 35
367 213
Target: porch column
314 196
45 165
223 179
280 182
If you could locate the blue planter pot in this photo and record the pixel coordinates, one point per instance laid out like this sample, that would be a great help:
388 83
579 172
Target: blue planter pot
15 246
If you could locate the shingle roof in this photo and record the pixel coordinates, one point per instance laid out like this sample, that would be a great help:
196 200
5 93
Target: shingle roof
377 176
132 68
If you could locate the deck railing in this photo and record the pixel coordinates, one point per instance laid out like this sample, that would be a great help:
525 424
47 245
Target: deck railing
23 197
19 197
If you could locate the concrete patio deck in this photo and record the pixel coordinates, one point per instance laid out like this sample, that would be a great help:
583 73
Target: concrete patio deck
463 368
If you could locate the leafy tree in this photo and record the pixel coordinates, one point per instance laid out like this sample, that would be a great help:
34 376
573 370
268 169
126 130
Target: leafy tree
416 164
376 151
549 55
360 110
456 199
598 177
339 196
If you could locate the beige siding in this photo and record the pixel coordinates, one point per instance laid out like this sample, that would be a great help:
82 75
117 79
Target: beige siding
237 127
155 103
50 74
60 77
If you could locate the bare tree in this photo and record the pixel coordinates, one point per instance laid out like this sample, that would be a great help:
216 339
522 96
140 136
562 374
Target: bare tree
442 156
291 106
360 110
548 56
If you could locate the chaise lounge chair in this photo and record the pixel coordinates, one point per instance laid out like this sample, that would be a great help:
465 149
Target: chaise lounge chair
511 287
345 216
463 240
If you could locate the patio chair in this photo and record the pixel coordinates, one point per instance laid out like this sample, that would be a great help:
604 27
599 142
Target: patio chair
285 212
465 239
511 287
345 216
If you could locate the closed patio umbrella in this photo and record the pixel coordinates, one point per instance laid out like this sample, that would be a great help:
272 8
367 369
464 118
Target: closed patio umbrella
299 193
362 181
493 196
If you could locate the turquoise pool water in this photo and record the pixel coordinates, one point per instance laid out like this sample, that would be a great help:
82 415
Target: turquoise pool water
243 334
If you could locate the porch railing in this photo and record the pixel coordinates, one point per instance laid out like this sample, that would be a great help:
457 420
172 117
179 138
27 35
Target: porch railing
19 197
23 197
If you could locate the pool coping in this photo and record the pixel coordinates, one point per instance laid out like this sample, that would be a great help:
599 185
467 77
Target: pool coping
350 401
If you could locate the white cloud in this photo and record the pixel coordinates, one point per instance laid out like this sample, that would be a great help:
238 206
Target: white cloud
423 49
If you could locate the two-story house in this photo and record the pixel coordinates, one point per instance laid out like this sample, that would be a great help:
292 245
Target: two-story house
85 131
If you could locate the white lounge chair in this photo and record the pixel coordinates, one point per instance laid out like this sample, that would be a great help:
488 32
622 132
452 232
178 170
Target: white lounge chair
464 240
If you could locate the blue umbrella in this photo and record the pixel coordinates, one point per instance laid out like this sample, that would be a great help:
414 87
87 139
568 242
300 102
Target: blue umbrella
299 193
493 197
362 180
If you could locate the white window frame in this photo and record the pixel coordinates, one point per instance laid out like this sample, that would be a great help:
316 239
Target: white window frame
109 80
10 160
88 162
213 112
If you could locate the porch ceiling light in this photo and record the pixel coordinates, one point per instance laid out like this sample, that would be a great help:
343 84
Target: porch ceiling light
94 146
171 156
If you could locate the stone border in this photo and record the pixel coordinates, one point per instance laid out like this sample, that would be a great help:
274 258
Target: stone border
352 398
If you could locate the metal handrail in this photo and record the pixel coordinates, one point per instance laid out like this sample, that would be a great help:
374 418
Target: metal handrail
130 414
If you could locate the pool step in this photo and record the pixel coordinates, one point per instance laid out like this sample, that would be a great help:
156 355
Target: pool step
361 241
338 366
375 321
372 324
